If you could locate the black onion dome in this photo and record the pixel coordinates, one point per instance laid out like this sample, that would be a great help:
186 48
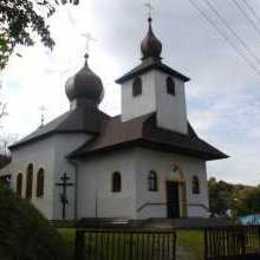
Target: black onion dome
85 84
151 46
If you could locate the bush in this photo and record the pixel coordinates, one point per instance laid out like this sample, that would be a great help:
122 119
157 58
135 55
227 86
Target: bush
24 233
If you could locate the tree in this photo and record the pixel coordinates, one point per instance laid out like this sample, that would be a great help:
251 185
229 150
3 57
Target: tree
220 196
248 201
21 19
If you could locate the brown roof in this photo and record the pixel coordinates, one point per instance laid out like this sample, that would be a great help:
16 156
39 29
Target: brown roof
143 132
147 65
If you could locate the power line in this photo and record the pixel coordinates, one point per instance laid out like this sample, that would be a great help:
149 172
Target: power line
251 9
225 37
216 12
250 20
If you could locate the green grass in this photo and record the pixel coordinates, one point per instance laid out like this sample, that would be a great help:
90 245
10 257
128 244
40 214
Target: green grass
68 235
192 242
189 243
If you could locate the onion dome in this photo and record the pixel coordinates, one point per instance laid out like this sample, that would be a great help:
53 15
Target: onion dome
151 46
85 85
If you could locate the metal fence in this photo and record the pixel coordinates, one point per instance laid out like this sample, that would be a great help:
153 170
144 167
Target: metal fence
232 242
124 244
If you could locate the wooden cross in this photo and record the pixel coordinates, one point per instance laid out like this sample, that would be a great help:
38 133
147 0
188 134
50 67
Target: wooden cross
63 196
89 39
150 7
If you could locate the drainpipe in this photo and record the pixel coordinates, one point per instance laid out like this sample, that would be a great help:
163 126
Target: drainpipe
75 165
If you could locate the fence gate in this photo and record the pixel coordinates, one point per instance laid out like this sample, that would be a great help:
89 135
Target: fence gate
233 242
102 244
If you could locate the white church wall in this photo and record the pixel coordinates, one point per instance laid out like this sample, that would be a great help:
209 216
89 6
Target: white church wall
49 154
171 110
65 144
95 197
140 105
41 155
163 164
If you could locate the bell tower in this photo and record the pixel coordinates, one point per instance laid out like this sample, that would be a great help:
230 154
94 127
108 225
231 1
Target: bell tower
154 87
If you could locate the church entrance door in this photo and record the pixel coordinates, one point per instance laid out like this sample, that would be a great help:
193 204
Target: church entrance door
173 204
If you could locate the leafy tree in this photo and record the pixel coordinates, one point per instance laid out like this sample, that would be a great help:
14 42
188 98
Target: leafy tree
241 199
21 19
25 233
220 196
248 201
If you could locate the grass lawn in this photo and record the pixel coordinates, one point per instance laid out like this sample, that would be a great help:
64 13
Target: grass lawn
189 243
68 235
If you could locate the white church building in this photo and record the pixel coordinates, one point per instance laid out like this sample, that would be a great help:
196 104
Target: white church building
147 162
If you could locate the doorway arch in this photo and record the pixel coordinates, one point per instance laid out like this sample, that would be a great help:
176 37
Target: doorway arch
175 179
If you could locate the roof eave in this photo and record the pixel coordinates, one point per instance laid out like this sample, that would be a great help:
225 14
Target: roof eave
164 68
142 143
49 134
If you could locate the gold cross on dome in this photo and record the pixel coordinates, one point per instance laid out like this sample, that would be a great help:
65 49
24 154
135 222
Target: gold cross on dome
89 39
150 8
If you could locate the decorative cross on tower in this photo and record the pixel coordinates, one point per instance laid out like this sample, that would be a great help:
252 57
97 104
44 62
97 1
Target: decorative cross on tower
42 110
63 196
89 39
150 8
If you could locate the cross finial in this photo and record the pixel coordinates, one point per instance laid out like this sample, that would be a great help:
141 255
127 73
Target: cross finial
42 110
150 8
89 39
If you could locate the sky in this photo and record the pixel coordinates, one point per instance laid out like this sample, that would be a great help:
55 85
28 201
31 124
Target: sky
223 96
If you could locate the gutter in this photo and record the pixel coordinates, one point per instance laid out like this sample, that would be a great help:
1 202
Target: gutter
75 165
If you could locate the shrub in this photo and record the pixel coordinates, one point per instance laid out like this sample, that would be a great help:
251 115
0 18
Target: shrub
24 233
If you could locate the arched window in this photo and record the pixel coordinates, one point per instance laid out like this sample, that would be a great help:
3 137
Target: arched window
29 182
40 183
19 184
116 182
195 185
152 181
170 86
137 87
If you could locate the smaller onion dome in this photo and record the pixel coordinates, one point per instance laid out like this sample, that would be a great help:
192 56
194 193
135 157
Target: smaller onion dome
85 85
151 46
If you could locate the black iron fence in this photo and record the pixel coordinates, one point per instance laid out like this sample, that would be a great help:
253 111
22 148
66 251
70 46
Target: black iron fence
117 239
232 242
127 244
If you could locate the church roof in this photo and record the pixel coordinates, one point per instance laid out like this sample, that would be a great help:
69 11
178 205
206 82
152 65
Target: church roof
143 132
147 65
80 120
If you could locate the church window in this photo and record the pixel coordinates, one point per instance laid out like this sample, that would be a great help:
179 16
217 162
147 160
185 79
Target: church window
40 183
116 182
195 185
137 87
152 181
19 184
29 182
170 86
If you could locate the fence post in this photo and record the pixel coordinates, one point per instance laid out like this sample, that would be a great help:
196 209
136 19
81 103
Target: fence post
205 244
243 233
79 245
